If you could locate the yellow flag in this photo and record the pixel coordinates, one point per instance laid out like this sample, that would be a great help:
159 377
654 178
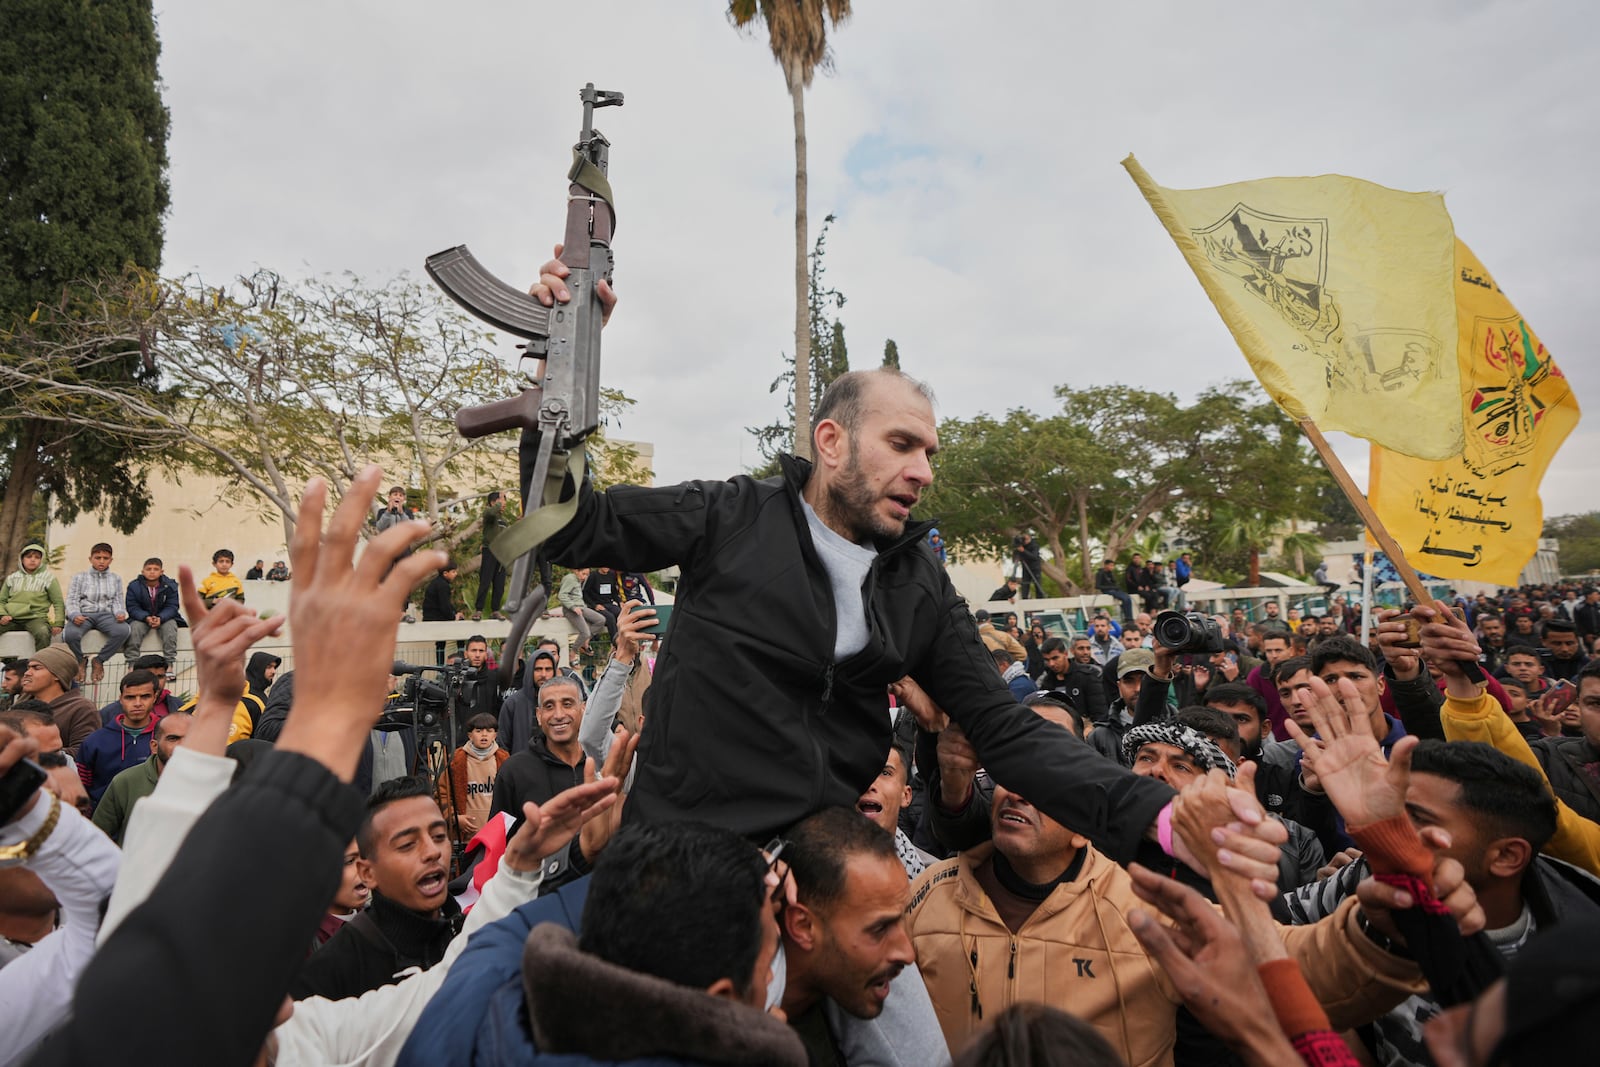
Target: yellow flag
1478 514
1338 291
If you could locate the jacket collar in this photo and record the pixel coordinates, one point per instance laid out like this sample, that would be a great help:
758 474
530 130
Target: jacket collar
411 932
797 472
643 1016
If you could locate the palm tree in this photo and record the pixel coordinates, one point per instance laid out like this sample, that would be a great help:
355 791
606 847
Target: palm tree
797 31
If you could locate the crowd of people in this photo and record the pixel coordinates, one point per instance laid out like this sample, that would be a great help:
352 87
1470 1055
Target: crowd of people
830 817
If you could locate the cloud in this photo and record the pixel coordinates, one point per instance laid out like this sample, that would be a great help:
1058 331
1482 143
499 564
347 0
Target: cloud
970 154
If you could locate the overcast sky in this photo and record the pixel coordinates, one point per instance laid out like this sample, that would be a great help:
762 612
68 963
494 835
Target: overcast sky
970 152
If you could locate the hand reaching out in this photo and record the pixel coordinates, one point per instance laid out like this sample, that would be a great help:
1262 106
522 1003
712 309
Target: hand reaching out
619 760
548 828
1347 760
1219 829
221 635
1212 969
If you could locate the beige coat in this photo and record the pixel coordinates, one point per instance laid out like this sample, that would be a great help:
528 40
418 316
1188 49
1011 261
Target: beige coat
1077 953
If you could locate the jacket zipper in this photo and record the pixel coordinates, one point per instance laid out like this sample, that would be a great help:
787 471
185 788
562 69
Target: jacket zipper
977 1005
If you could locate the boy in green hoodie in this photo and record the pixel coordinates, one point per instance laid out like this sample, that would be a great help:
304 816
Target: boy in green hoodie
28 598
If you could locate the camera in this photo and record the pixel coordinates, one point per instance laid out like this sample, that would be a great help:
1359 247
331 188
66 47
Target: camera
1188 632
424 703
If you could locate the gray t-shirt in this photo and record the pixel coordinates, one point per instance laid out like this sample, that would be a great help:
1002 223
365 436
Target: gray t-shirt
847 564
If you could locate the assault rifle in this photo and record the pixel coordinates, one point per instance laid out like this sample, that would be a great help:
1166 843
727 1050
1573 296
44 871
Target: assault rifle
559 408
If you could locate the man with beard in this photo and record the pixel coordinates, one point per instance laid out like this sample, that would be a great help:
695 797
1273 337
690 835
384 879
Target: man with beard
803 597
1076 677
405 862
519 712
1248 711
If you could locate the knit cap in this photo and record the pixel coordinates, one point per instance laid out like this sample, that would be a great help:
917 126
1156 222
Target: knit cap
59 661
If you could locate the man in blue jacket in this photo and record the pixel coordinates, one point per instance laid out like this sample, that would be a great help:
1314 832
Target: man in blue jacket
663 956
152 603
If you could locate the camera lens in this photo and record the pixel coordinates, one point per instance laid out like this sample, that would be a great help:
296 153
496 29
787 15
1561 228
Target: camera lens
1172 630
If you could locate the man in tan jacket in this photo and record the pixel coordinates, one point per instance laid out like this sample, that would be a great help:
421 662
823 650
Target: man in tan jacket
1040 915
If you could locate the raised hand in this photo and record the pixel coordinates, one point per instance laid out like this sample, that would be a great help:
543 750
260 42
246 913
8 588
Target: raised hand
340 684
1210 965
632 622
1447 644
1220 828
619 760
221 635
548 828
1348 761
1393 633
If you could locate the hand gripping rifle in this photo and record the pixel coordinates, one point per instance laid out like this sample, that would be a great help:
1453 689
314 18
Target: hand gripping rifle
558 411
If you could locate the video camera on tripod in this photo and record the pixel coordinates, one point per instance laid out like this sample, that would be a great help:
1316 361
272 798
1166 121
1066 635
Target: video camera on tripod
425 704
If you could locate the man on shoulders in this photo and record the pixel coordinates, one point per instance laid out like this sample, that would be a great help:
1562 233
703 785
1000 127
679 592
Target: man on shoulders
850 601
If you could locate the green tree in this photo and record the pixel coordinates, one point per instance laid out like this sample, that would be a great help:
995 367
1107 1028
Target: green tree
267 384
891 354
797 33
83 156
1089 480
832 358
1580 541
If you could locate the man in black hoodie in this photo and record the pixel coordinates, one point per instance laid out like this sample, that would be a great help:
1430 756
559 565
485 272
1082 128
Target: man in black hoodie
405 859
553 761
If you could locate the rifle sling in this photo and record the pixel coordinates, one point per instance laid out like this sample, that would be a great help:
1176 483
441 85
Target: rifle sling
589 176
534 528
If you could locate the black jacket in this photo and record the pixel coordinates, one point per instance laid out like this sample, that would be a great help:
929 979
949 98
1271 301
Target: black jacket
1082 687
535 774
254 876
1573 767
375 948
752 724
436 603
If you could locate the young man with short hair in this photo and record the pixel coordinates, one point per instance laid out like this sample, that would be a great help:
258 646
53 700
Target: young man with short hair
405 861
152 603
97 600
882 802
1566 656
127 741
1275 648
31 599
49 677
1524 665
137 782
1074 675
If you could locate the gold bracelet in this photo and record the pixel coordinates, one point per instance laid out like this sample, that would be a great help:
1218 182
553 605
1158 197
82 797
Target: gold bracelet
33 844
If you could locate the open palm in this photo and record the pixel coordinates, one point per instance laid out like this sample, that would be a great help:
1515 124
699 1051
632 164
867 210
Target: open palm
1347 759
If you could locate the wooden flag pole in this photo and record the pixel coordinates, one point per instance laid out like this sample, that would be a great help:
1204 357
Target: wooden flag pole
1358 500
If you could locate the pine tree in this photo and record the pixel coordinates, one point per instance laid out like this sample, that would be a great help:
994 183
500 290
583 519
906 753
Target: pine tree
891 354
83 188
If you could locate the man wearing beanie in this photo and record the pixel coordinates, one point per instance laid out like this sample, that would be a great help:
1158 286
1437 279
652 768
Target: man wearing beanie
49 677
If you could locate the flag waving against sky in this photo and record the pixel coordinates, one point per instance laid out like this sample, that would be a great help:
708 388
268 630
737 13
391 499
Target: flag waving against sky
1478 514
1339 293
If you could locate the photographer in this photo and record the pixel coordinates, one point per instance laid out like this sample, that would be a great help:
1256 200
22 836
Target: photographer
472 686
